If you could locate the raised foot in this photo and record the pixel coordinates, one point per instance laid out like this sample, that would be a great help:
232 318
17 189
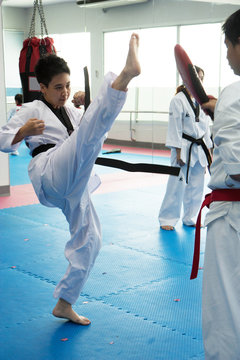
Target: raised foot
167 227
64 310
132 66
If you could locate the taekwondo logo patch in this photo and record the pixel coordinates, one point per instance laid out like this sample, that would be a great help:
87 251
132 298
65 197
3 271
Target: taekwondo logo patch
187 114
181 178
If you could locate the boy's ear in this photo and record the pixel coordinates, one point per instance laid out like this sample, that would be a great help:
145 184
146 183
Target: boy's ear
42 87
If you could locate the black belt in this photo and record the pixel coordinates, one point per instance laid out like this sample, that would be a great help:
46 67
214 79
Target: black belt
204 147
42 148
140 167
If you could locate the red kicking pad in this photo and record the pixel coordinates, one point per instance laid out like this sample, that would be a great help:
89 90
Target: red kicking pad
190 77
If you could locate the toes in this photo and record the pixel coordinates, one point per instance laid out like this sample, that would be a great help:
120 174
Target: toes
84 321
167 227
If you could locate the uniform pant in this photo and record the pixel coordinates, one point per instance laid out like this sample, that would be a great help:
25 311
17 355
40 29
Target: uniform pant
65 183
180 193
221 292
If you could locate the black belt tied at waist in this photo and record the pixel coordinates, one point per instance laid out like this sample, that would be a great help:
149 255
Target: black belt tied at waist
199 142
119 164
42 148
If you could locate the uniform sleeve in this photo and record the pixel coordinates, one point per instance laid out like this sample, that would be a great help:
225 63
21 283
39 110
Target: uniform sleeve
8 132
175 123
207 137
226 134
11 113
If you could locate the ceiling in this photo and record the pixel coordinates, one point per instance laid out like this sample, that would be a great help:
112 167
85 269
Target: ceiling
29 3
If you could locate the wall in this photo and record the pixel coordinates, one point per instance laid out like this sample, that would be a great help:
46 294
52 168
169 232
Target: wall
4 163
68 17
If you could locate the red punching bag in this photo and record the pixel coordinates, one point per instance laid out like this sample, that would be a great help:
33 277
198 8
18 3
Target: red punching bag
33 49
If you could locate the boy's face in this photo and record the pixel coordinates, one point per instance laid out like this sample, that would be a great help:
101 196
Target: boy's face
233 55
58 90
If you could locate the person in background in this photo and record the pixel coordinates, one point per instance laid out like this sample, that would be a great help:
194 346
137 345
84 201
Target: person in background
18 101
189 139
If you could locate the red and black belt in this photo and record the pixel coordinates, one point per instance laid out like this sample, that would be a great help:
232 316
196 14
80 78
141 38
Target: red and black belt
215 195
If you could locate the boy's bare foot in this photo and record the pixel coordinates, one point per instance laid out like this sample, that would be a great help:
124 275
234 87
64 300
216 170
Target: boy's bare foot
132 67
64 310
167 227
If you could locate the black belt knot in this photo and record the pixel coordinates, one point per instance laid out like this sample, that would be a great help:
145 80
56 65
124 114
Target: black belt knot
199 142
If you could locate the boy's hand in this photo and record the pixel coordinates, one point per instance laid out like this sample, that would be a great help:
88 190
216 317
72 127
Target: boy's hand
179 160
210 105
32 127
78 99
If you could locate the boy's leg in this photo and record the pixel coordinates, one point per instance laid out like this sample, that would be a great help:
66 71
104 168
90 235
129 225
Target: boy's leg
221 291
81 252
82 166
70 166
170 210
193 194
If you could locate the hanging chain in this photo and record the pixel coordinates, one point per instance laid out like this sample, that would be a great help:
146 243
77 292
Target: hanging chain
37 5
32 26
42 18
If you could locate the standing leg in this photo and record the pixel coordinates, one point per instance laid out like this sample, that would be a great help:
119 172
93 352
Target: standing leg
81 252
193 194
170 210
221 292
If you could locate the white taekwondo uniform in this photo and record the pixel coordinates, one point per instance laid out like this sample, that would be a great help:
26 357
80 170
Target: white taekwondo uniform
178 192
60 176
221 279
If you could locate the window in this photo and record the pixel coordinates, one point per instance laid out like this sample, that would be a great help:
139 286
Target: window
75 49
153 89
13 41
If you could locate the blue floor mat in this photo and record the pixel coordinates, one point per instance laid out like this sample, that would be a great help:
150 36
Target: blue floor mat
138 296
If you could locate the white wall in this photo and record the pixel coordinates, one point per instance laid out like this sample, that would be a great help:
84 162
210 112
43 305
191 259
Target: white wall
4 163
68 18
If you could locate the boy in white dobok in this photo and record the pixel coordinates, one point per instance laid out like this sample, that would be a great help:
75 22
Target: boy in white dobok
187 125
221 279
64 145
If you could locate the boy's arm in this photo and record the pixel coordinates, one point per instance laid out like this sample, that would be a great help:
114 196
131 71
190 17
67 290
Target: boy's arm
30 128
210 105
179 160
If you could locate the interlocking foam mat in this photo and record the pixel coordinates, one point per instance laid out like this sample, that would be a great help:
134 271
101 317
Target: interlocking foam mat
139 297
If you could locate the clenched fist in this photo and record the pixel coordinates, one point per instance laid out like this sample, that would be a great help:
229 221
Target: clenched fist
32 127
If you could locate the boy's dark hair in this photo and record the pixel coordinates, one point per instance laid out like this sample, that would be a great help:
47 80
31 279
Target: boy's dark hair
18 99
231 27
49 66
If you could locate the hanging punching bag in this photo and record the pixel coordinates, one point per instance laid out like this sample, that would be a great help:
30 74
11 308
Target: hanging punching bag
33 49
